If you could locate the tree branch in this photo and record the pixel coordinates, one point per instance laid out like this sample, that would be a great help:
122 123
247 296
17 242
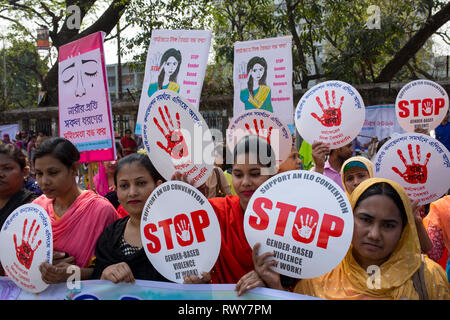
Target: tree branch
20 25
414 44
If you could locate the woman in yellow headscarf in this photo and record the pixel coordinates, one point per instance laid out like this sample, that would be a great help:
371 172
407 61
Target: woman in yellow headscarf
354 171
357 169
385 241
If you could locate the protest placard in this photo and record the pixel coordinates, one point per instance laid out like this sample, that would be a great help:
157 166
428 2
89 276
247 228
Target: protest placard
263 77
180 232
309 230
85 116
331 112
26 241
421 104
177 138
419 163
176 61
266 125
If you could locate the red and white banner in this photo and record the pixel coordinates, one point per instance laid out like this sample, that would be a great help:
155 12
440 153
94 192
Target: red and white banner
262 77
180 232
26 240
309 231
421 104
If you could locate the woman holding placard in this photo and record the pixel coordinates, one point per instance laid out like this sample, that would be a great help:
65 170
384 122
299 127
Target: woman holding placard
78 217
13 170
384 261
119 253
358 169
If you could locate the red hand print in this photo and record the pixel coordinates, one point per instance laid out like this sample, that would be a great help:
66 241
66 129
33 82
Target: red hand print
331 116
415 172
176 144
427 107
262 134
25 252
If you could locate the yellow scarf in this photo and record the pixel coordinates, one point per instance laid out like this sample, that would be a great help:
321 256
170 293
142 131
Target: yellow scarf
366 162
173 86
350 281
260 96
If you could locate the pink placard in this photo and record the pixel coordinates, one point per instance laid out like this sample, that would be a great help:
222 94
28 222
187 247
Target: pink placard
85 115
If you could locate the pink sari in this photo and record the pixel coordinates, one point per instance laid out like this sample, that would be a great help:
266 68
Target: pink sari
77 232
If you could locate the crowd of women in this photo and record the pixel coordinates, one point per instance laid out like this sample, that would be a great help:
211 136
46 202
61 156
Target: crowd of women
99 231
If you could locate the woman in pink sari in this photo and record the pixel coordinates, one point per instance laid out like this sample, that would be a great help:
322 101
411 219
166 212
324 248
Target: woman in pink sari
78 217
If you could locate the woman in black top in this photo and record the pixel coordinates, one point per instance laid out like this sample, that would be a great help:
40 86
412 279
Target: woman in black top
119 253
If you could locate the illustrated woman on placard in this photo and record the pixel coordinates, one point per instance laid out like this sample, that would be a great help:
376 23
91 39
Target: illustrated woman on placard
169 68
257 95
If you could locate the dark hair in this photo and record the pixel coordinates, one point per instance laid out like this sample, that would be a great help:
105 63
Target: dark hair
383 188
383 141
59 148
119 148
256 145
141 159
14 153
172 52
128 130
250 64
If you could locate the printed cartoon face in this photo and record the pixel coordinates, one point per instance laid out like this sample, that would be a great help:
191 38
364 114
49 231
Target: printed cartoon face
81 75
257 72
170 66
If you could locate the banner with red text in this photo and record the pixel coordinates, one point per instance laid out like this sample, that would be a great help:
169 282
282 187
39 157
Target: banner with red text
263 77
176 60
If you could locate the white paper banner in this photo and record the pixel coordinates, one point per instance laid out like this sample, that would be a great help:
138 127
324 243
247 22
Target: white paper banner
180 232
263 77
176 60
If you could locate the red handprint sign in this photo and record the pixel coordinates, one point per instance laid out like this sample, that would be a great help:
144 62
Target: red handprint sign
332 115
25 252
261 132
415 172
176 144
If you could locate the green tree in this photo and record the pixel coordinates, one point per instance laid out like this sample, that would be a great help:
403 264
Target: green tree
62 25
24 73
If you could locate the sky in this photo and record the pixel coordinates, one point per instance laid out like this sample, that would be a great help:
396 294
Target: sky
440 47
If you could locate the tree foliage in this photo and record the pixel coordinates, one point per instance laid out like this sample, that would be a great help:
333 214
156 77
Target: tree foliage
24 72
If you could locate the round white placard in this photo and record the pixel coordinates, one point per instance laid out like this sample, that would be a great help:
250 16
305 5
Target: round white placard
26 241
332 112
177 138
266 125
418 162
180 231
421 104
309 231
